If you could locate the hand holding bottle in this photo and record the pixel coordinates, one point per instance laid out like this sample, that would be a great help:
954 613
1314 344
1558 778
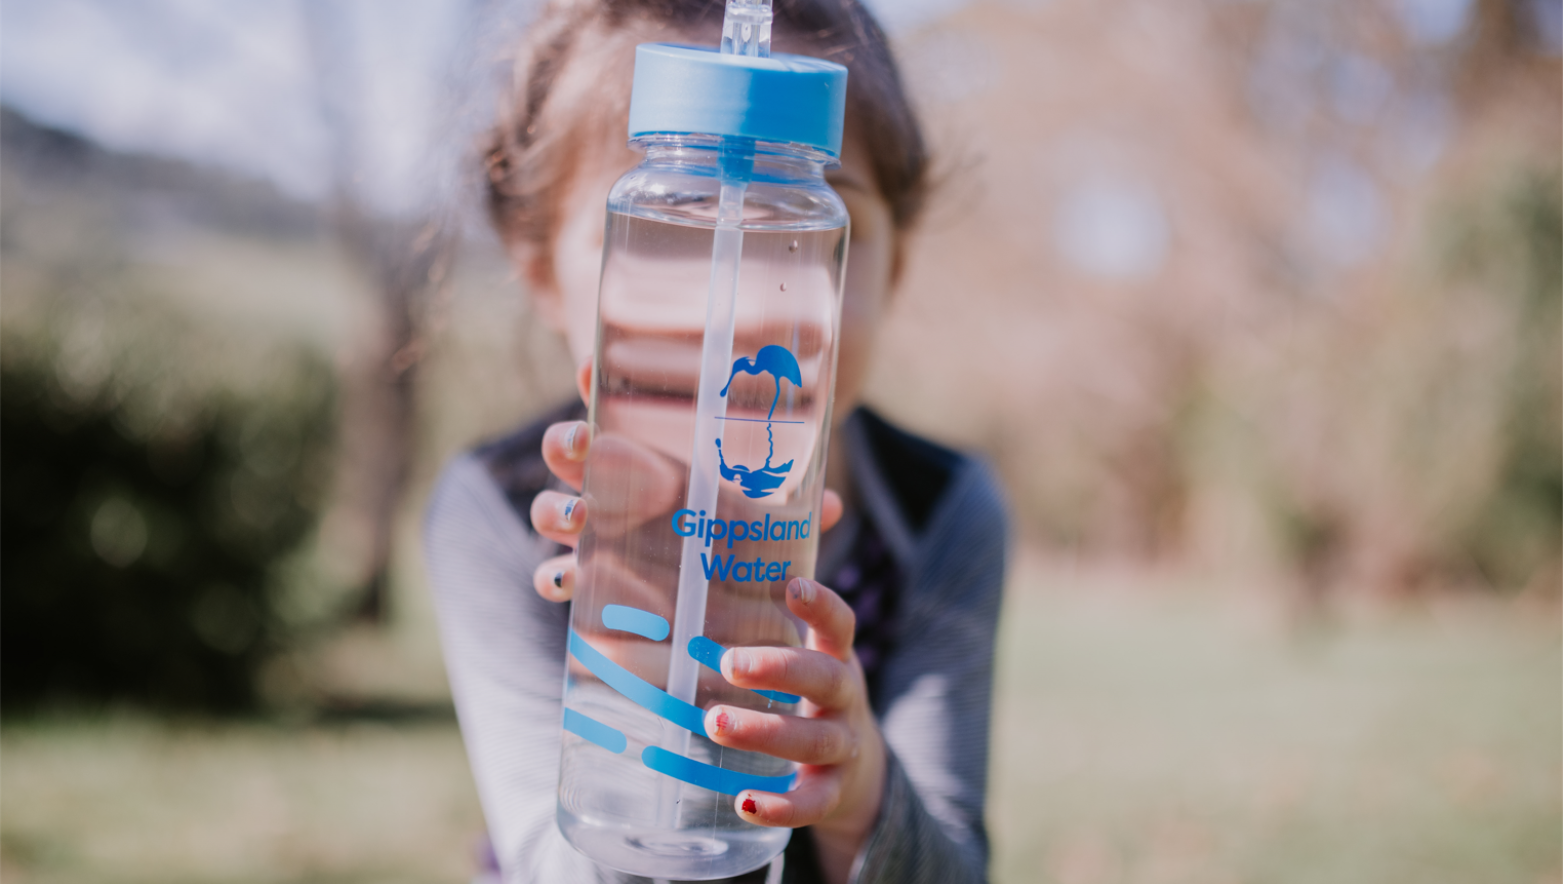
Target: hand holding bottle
835 738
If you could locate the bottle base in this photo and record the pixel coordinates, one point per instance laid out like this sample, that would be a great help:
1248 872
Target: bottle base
692 847
659 853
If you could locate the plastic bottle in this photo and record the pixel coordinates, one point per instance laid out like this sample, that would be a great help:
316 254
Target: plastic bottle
718 320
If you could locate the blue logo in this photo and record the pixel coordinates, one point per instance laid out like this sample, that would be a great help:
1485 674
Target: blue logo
779 363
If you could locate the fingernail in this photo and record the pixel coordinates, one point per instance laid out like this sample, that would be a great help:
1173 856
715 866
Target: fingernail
749 805
571 437
803 590
737 661
569 509
720 723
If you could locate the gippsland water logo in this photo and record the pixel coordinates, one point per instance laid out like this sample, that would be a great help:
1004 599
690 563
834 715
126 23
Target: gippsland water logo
781 365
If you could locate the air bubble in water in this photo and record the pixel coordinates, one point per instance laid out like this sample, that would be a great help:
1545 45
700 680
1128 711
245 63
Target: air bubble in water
793 246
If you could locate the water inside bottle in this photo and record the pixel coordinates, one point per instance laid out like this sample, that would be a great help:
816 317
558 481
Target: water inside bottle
613 804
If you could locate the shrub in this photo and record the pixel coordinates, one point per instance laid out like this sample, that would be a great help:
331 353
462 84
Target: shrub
147 506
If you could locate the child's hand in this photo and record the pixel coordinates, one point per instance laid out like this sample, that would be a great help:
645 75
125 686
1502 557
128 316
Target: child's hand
835 738
560 517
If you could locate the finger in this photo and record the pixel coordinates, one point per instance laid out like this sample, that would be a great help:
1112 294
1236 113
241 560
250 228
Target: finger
805 740
632 484
830 509
819 791
584 380
823 680
559 517
734 619
555 579
831 621
565 449
638 587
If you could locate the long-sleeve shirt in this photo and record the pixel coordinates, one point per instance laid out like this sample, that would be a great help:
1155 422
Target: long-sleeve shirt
921 556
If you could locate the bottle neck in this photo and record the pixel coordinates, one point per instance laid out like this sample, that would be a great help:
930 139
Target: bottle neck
737 158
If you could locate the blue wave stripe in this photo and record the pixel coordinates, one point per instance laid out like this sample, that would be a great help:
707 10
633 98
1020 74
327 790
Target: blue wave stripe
589 728
709 654
638 691
725 782
642 623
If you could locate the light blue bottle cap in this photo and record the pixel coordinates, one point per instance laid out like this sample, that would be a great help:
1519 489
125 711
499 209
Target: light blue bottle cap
793 99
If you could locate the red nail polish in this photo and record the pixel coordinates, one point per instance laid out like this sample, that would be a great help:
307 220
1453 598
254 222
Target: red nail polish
749 805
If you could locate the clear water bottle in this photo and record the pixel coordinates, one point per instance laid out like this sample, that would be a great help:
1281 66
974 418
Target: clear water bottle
718 320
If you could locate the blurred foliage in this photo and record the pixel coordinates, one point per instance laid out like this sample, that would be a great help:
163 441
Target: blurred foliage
163 462
1511 247
156 478
1262 288
1413 438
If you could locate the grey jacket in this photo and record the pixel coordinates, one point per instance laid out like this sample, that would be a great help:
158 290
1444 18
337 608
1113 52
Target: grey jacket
942 516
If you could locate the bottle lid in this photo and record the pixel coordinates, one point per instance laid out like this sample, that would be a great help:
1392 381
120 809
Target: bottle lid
792 99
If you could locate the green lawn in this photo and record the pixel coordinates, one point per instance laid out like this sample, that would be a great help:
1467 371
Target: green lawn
1143 734
1163 735
136 801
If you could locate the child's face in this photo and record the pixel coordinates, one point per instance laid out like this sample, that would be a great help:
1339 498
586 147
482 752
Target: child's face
567 297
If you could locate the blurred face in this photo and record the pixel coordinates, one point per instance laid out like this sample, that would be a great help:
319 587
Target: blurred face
567 293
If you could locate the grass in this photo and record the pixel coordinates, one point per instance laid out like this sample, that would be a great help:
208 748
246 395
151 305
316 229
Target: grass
1178 736
130 800
1144 733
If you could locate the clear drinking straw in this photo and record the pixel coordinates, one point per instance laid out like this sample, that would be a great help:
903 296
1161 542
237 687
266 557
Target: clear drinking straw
746 30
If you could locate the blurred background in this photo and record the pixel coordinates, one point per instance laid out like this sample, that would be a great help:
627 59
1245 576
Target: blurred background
1268 294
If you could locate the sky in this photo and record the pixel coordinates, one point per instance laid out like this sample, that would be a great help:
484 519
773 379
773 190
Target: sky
280 90
237 84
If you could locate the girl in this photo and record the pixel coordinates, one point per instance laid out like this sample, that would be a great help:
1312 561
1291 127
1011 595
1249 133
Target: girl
898 661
